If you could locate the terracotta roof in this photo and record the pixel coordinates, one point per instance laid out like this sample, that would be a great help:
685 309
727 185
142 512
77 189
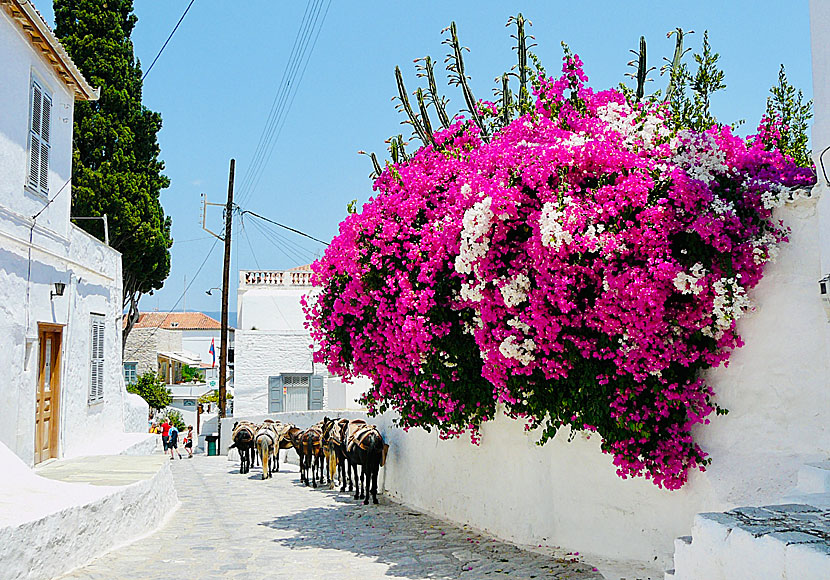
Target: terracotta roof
177 321
305 268
27 17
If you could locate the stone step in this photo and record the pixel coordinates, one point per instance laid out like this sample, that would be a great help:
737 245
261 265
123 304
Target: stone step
814 478
788 541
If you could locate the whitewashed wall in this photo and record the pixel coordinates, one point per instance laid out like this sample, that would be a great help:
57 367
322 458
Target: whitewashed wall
20 65
270 307
58 252
261 354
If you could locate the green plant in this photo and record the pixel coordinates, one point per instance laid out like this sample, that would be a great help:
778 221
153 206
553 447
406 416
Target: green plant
151 388
190 374
786 109
175 418
213 397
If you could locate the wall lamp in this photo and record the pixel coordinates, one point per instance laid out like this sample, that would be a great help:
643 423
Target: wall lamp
824 291
59 288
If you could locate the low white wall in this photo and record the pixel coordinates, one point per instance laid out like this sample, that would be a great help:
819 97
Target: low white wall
65 525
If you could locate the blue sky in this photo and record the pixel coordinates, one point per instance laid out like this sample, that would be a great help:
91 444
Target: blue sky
215 83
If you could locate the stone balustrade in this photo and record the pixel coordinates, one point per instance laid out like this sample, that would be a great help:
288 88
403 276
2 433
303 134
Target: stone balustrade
275 277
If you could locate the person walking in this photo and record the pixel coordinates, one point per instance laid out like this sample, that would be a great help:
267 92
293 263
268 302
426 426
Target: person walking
188 442
173 442
165 434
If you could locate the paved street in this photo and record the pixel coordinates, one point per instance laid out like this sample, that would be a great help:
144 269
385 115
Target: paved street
237 526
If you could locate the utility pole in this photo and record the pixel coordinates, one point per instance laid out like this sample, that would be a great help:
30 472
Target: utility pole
223 353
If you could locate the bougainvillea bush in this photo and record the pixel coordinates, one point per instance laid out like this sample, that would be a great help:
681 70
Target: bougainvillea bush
581 268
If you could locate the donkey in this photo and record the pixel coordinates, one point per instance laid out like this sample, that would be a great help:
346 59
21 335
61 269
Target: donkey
347 430
295 438
313 451
371 453
267 445
335 451
283 440
243 440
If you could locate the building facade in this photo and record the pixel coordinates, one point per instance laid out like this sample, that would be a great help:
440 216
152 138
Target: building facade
163 342
60 288
274 370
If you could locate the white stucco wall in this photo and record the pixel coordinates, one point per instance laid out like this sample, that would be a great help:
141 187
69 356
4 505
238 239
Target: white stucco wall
568 494
34 254
20 64
260 354
49 527
820 134
270 307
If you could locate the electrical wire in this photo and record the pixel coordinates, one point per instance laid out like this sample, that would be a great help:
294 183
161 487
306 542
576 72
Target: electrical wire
275 137
168 40
290 229
305 254
278 95
293 75
256 261
292 256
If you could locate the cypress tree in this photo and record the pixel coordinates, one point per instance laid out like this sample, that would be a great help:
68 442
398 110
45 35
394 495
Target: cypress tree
116 168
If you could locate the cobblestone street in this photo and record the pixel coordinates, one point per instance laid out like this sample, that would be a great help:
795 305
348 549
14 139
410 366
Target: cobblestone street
237 526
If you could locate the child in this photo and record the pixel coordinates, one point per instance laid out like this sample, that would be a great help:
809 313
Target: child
173 441
188 442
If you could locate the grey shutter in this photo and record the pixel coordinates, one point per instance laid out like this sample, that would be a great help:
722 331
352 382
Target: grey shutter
34 136
315 395
45 116
275 396
96 374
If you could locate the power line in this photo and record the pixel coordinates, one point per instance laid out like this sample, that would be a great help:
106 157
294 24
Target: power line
278 95
284 98
168 40
290 229
304 253
253 254
275 136
289 253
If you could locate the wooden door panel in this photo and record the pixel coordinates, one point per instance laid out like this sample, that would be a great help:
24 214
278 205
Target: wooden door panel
48 394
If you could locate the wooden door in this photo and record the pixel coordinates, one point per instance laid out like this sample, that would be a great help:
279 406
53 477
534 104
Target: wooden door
47 411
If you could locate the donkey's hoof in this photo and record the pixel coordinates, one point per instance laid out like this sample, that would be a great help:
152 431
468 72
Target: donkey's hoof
375 500
366 501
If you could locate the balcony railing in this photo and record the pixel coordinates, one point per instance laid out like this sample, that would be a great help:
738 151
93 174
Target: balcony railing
275 278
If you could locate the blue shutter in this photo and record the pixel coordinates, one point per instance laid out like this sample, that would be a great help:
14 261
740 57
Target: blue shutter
275 396
315 395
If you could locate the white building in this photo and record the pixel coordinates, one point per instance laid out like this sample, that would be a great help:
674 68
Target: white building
60 289
273 367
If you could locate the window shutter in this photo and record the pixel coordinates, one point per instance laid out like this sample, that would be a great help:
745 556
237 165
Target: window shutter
34 136
45 115
96 376
275 396
315 397
39 135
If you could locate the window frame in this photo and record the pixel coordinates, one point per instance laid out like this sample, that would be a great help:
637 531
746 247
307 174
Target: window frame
36 138
97 357
133 371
